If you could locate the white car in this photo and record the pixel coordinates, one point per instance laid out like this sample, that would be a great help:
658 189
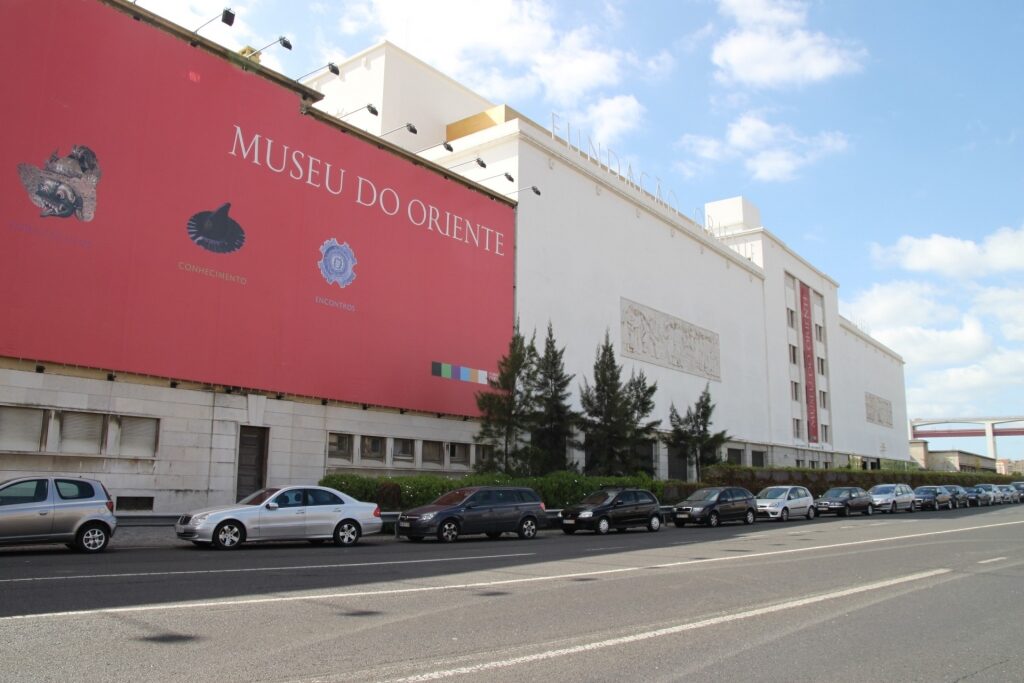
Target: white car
784 502
283 513
892 497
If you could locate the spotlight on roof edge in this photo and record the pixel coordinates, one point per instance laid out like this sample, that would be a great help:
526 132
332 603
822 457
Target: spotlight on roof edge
226 17
532 188
479 162
507 176
443 143
408 126
368 107
330 66
282 41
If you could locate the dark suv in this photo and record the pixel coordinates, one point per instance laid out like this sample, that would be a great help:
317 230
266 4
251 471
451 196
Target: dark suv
715 505
613 508
490 510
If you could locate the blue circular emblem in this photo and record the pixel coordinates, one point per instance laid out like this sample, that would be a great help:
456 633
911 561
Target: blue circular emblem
337 263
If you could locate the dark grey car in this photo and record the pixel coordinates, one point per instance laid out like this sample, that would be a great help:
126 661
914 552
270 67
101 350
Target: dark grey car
491 510
76 512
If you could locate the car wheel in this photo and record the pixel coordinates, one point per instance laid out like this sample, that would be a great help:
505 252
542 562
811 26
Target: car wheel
679 523
892 508
713 520
603 526
810 512
448 531
784 515
346 533
870 510
92 538
845 512
527 528
654 523
749 517
566 530
228 535
493 535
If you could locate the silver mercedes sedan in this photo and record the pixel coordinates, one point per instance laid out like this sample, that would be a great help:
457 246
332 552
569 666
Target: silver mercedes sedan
283 513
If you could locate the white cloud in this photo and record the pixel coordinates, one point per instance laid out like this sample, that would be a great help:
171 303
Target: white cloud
770 152
613 117
977 388
1007 306
771 48
576 66
1002 251
927 346
900 303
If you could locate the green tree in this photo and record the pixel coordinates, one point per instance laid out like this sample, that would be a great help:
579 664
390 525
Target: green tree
642 432
692 433
507 407
554 421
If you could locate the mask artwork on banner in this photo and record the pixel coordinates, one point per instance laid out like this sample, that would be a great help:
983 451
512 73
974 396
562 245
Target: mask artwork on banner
64 186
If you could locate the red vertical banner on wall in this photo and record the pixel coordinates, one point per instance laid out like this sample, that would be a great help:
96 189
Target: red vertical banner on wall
811 386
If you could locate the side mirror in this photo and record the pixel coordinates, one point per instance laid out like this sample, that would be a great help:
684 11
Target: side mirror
617 503
272 506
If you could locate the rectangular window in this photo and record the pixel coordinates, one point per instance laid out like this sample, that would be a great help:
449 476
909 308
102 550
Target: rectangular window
819 332
134 503
795 387
21 429
826 465
793 354
81 432
139 436
821 366
484 453
799 462
339 446
433 452
791 317
813 464
757 458
403 450
797 432
824 433
371 448
823 400
458 454
734 456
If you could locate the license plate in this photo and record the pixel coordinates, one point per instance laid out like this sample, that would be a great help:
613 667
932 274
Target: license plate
683 515
568 521
403 524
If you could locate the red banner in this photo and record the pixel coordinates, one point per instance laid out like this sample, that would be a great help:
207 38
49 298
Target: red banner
167 213
810 383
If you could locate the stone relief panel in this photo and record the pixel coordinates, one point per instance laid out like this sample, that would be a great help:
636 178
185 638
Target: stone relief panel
670 342
878 410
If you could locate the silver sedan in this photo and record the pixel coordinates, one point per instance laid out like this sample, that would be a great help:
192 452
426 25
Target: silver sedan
283 513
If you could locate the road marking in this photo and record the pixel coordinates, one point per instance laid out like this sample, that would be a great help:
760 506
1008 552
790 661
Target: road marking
994 559
609 547
672 630
262 569
481 584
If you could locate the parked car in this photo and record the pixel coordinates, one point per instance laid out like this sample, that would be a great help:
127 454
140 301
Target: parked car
76 512
933 498
1010 494
1019 485
282 513
613 508
490 510
783 502
715 505
845 500
892 497
992 490
959 494
977 497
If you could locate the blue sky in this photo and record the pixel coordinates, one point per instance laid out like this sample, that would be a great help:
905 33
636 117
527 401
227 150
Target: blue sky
883 141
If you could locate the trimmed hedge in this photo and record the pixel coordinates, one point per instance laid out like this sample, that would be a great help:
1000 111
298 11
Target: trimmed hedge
560 489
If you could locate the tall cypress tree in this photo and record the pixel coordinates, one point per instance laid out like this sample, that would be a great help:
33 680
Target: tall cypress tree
554 421
692 434
507 408
605 418
642 432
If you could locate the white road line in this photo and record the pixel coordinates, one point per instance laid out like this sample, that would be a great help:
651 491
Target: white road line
480 584
610 547
672 630
994 559
262 569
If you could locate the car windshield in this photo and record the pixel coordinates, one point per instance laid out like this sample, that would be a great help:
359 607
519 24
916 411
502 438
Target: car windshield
258 498
704 494
926 489
837 493
881 490
598 498
453 497
773 492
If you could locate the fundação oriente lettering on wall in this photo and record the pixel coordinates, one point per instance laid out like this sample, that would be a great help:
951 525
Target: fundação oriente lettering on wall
304 167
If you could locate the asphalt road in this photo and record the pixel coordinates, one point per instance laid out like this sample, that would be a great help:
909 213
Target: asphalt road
912 597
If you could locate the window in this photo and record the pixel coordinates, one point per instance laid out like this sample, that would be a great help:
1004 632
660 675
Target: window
795 390
823 400
799 462
757 458
21 429
458 454
821 366
734 456
819 332
824 433
31 491
826 465
371 448
791 317
484 453
403 450
339 446
321 497
135 503
81 432
290 499
793 354
797 432
433 452
138 436
813 464
69 489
